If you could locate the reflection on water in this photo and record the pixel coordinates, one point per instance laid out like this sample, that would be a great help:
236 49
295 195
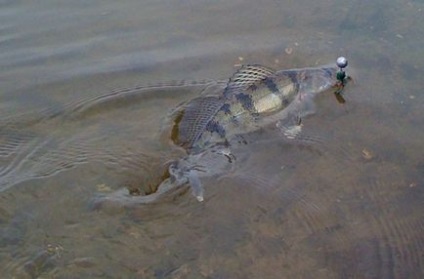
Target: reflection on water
344 201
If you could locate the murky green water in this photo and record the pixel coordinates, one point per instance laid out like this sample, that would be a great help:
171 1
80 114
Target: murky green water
344 202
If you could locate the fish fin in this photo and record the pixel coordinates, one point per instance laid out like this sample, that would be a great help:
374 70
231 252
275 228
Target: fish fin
291 131
177 173
191 122
291 125
247 76
196 185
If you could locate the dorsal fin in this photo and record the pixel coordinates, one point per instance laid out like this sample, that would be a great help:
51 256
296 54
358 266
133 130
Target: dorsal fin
247 76
192 121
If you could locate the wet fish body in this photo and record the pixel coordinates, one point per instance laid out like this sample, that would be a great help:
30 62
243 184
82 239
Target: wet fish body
205 127
254 94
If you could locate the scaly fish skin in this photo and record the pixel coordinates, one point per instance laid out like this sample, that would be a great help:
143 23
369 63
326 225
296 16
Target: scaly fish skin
251 95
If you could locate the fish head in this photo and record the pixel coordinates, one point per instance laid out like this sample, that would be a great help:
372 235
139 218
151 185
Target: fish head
316 80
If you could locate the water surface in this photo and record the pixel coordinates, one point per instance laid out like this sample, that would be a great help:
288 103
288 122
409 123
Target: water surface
86 90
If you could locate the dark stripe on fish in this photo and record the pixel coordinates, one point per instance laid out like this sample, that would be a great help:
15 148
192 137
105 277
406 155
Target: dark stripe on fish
285 102
246 101
226 108
294 76
270 84
214 127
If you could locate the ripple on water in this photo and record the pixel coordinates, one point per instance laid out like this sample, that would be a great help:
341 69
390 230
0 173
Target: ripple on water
394 222
119 130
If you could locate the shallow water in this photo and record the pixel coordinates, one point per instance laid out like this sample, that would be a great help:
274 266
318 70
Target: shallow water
86 90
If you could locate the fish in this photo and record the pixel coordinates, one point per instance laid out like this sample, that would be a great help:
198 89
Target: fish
255 96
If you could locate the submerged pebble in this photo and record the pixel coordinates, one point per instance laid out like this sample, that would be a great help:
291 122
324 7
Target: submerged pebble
367 154
288 50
